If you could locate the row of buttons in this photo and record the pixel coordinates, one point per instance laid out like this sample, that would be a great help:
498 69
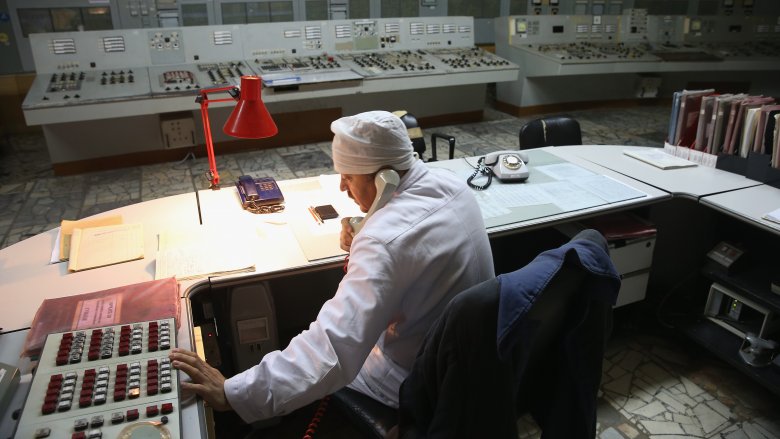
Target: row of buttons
94 387
81 425
71 347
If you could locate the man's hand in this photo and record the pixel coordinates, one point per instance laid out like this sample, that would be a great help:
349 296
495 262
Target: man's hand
207 381
345 239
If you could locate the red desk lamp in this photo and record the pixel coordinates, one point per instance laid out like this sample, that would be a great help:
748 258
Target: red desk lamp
249 120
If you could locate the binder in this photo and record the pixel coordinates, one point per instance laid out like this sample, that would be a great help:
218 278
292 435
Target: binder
673 118
749 126
760 144
736 124
688 115
705 120
720 116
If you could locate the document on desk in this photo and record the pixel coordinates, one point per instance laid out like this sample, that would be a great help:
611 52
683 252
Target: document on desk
588 190
95 247
564 171
773 216
658 158
199 251
67 227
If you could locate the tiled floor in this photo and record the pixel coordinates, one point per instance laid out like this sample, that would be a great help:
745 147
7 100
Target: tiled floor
656 385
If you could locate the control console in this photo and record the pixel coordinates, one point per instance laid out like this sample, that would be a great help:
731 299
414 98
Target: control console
107 382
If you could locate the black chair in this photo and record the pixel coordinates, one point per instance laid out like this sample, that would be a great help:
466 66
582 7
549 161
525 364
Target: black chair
461 387
550 131
418 139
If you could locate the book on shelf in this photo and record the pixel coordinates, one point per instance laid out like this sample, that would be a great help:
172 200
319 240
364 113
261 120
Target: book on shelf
688 115
200 251
704 125
737 121
720 117
95 247
776 143
67 227
749 127
673 117
765 130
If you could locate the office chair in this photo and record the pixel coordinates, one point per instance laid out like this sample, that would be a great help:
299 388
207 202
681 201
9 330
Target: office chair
550 131
418 140
470 380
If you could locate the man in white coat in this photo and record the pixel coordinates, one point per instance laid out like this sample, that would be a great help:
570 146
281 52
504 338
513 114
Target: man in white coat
410 258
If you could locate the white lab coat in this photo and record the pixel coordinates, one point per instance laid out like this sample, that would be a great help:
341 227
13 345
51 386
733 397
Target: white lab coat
411 257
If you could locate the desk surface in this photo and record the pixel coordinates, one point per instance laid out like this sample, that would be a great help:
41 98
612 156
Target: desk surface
28 278
748 204
694 182
26 267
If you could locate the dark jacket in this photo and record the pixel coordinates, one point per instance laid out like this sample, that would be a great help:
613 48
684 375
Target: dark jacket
469 379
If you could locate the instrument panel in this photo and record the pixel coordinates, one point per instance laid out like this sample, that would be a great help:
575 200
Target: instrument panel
140 64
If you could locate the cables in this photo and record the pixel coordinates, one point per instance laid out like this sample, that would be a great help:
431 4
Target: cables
317 418
483 170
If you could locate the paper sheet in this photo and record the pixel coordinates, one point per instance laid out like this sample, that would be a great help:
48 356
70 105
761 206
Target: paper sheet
194 252
773 216
100 246
658 158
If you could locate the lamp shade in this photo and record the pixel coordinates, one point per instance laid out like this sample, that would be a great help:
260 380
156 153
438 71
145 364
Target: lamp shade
250 119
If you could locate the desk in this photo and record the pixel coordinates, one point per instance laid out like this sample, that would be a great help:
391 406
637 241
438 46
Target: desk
749 205
25 267
694 182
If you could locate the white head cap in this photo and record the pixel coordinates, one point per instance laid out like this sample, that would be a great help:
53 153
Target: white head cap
367 142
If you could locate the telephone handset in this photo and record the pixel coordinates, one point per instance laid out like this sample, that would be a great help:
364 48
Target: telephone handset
508 165
386 182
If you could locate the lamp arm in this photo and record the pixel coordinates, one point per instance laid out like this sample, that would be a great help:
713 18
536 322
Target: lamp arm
203 100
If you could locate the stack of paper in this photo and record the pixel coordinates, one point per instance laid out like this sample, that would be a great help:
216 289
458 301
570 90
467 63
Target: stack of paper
94 247
67 227
658 158
195 252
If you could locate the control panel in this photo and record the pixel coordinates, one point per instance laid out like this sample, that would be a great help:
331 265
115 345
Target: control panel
636 37
107 382
104 66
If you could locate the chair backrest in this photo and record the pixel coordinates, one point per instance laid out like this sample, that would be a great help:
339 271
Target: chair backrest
418 139
459 370
414 130
550 131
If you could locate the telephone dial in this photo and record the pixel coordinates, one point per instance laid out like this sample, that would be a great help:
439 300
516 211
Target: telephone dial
386 182
507 166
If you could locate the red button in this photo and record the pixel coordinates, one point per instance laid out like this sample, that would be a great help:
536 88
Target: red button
167 408
151 389
78 435
119 395
48 408
151 411
132 414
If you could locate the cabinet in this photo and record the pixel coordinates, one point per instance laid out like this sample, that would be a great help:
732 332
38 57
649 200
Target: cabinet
738 303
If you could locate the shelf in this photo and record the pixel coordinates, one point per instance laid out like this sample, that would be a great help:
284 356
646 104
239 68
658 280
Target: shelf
753 281
725 346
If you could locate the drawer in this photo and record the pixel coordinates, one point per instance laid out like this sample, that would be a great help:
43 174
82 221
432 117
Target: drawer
633 288
635 255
